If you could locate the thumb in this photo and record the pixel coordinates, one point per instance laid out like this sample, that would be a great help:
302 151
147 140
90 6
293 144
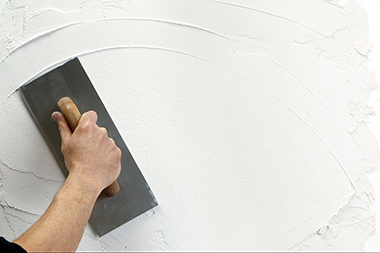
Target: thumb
63 127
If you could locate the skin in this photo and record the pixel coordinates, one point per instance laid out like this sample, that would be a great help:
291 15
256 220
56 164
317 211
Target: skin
93 161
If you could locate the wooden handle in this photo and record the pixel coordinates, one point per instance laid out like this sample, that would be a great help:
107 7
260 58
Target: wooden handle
72 116
70 111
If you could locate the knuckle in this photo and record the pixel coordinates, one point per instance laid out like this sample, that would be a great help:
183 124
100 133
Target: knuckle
93 115
103 131
90 116
61 127
90 113
85 123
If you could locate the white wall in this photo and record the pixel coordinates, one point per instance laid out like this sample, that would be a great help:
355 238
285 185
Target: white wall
373 7
247 118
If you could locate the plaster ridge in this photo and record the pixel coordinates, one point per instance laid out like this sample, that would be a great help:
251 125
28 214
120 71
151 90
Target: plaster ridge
315 133
35 38
97 239
270 14
31 16
356 143
99 50
338 3
336 219
324 143
90 235
30 172
299 80
7 220
306 219
107 19
15 208
15 216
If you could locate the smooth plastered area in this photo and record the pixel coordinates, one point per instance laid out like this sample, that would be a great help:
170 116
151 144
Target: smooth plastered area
246 117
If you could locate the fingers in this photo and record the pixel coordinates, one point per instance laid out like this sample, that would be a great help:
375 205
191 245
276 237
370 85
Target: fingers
63 127
89 116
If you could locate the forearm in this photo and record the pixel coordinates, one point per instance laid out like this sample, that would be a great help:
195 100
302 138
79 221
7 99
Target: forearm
62 226
93 162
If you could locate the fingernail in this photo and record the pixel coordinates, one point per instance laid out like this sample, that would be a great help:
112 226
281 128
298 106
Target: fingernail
55 116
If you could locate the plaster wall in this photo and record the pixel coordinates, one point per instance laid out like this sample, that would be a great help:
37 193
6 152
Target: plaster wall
247 118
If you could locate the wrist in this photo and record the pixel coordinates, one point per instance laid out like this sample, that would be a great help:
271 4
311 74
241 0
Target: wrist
82 186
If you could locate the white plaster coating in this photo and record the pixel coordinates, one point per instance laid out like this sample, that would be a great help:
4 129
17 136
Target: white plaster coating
372 244
245 117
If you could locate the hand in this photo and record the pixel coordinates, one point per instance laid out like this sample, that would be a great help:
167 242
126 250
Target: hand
93 161
90 155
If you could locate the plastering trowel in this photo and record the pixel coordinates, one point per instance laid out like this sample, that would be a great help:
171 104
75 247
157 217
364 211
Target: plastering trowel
130 195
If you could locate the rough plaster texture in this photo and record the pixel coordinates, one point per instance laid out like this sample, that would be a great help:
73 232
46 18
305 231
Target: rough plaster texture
372 243
245 117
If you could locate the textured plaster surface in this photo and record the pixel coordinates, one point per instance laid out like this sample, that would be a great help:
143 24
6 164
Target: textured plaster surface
372 244
247 118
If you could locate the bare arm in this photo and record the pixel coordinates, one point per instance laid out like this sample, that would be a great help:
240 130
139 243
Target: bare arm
93 161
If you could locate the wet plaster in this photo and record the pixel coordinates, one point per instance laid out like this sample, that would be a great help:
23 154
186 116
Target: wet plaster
247 118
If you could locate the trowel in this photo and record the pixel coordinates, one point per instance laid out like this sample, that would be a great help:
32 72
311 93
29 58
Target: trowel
68 89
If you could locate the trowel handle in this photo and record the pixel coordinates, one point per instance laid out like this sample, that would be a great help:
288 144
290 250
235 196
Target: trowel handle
70 111
72 116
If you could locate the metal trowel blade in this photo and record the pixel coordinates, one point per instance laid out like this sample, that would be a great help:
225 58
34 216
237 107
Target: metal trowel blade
70 80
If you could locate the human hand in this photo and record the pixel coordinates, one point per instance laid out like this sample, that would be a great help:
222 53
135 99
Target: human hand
93 161
90 155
